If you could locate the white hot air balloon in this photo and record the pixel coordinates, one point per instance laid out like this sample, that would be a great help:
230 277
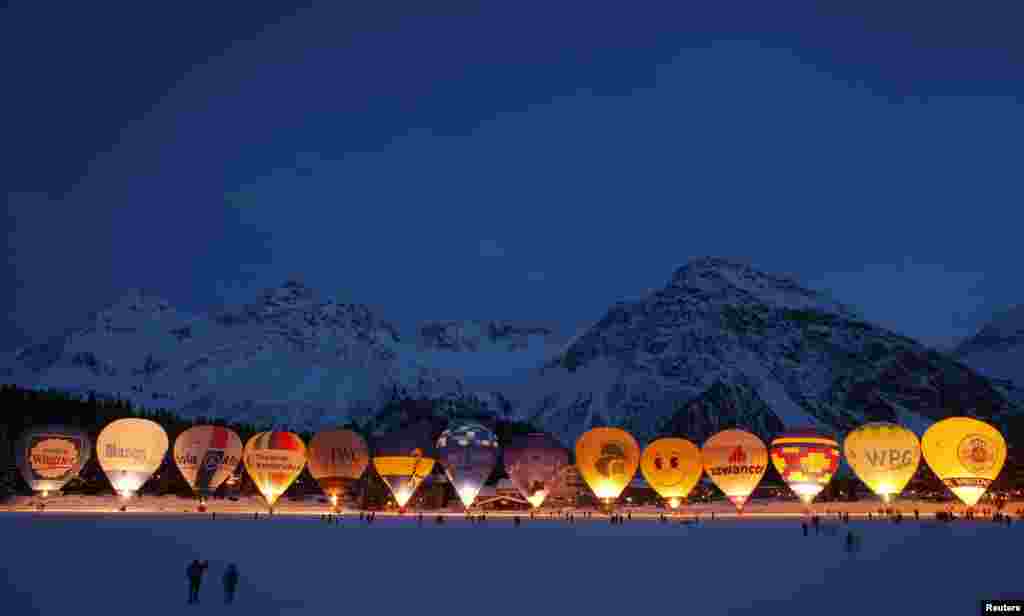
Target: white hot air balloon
129 451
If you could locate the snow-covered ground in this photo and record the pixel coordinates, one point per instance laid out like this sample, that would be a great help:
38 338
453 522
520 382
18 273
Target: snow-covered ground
59 564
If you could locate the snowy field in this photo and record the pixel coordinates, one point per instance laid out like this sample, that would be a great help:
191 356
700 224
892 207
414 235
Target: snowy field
105 564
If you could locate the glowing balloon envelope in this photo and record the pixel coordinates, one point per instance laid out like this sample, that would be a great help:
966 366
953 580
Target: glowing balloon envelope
50 456
468 452
404 459
274 460
884 456
206 456
337 459
806 460
607 459
535 464
966 454
129 451
672 467
735 460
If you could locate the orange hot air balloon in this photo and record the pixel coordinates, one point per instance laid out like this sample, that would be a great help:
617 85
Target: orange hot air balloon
807 460
966 454
274 460
736 461
672 466
607 458
206 456
337 459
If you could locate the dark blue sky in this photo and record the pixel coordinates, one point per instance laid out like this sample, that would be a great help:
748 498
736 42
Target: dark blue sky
510 160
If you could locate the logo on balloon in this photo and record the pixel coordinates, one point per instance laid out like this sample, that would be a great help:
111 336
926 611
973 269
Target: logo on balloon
659 464
136 454
737 456
976 453
888 458
612 461
52 457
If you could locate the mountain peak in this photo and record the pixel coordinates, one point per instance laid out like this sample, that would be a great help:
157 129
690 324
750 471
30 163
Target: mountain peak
733 280
140 301
291 291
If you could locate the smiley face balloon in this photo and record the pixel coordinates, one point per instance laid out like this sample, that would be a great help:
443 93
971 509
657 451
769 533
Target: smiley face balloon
672 467
966 454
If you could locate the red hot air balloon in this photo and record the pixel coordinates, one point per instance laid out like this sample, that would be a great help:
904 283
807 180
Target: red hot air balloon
535 464
807 460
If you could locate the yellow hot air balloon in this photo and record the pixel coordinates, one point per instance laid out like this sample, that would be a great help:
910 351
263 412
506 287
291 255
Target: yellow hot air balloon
672 467
129 451
736 461
966 454
807 460
403 474
274 460
884 456
405 458
607 459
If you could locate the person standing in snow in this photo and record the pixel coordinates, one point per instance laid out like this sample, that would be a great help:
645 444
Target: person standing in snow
851 542
230 583
803 525
195 578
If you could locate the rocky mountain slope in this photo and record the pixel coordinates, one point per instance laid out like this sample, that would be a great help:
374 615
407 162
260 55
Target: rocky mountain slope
724 344
997 351
721 344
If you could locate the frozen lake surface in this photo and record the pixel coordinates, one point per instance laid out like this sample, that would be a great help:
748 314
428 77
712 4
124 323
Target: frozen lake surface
106 564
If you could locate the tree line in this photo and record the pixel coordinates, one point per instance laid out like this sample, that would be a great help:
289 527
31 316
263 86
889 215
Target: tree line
26 408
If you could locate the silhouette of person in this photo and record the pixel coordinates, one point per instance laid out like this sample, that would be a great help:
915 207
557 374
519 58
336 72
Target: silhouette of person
230 583
195 578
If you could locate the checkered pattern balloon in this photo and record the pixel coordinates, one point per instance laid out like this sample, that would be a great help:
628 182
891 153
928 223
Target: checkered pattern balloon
806 460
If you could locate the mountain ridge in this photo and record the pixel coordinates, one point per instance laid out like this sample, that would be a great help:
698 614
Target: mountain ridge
721 344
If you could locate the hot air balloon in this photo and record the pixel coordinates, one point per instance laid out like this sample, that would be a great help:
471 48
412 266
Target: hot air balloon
50 456
672 466
337 459
966 454
884 456
274 460
468 452
807 460
607 459
403 459
129 451
535 464
206 456
736 461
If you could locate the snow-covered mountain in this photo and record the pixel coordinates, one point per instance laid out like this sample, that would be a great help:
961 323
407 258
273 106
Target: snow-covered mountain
721 344
724 344
997 350
288 358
